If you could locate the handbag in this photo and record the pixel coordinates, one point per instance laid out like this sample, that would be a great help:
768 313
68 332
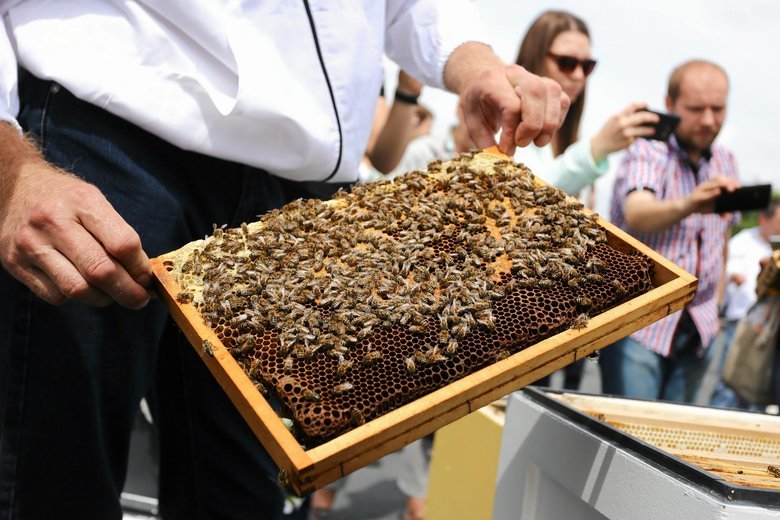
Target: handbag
751 357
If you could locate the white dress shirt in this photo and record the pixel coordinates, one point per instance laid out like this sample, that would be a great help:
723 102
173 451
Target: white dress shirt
286 86
746 249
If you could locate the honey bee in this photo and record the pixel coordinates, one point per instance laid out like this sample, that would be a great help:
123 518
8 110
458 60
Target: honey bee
282 478
411 367
502 354
244 343
343 367
619 287
218 231
583 302
311 396
371 357
342 388
357 417
460 330
485 318
184 297
435 355
288 365
207 348
594 277
261 388
595 264
580 322
452 346
418 329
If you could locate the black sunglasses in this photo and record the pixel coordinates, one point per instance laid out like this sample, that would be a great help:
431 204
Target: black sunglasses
567 64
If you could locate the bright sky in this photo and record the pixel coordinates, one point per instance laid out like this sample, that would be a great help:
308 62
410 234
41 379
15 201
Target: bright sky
637 44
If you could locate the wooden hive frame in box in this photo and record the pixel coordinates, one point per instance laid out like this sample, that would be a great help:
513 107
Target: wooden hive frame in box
740 448
309 469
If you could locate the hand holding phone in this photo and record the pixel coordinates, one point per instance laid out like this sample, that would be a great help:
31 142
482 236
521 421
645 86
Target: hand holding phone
621 129
744 199
665 125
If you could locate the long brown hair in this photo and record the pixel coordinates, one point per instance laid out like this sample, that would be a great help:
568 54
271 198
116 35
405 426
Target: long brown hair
533 51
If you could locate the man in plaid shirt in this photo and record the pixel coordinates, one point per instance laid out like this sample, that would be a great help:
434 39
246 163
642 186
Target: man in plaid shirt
664 195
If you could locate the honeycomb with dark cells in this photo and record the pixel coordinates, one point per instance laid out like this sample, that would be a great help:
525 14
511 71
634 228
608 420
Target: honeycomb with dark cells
347 309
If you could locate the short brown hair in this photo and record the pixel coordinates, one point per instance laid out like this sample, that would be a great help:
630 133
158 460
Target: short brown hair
675 79
533 51
774 205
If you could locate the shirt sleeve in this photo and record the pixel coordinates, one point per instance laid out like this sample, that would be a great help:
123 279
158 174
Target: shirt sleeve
575 168
421 35
643 168
9 98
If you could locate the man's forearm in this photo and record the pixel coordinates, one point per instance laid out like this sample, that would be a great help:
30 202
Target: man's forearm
15 151
393 138
466 62
648 215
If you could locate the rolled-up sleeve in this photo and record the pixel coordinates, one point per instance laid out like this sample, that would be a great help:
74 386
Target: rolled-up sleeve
643 168
9 97
421 35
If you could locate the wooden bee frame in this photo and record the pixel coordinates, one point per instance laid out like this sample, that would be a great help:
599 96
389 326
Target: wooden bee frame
307 470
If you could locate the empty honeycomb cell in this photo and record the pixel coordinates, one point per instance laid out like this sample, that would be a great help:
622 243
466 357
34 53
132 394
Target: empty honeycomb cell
432 277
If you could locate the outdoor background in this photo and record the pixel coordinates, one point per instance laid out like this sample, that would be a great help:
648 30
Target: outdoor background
637 45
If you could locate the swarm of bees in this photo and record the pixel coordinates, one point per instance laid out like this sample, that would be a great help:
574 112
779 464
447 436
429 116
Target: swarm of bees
433 254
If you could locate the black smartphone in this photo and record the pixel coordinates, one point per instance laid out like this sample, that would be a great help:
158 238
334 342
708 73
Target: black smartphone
744 198
665 125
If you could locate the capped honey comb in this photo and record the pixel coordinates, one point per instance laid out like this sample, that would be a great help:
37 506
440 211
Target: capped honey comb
346 309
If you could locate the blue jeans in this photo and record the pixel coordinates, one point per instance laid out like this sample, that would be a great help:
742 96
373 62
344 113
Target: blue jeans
631 370
72 376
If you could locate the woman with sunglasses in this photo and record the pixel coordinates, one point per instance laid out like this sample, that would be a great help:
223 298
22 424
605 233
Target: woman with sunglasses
557 46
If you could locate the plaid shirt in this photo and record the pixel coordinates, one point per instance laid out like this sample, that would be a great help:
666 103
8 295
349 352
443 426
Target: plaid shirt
696 243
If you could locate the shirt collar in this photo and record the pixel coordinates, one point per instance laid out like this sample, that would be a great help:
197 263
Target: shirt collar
674 145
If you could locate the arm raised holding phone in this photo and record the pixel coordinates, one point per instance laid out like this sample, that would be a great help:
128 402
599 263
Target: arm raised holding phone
622 129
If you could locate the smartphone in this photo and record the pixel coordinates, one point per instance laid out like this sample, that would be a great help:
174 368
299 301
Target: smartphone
744 198
665 125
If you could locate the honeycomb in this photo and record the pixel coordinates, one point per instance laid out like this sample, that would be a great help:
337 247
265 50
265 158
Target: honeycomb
346 309
682 439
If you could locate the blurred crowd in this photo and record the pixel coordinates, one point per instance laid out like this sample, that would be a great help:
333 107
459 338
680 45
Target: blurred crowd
664 194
